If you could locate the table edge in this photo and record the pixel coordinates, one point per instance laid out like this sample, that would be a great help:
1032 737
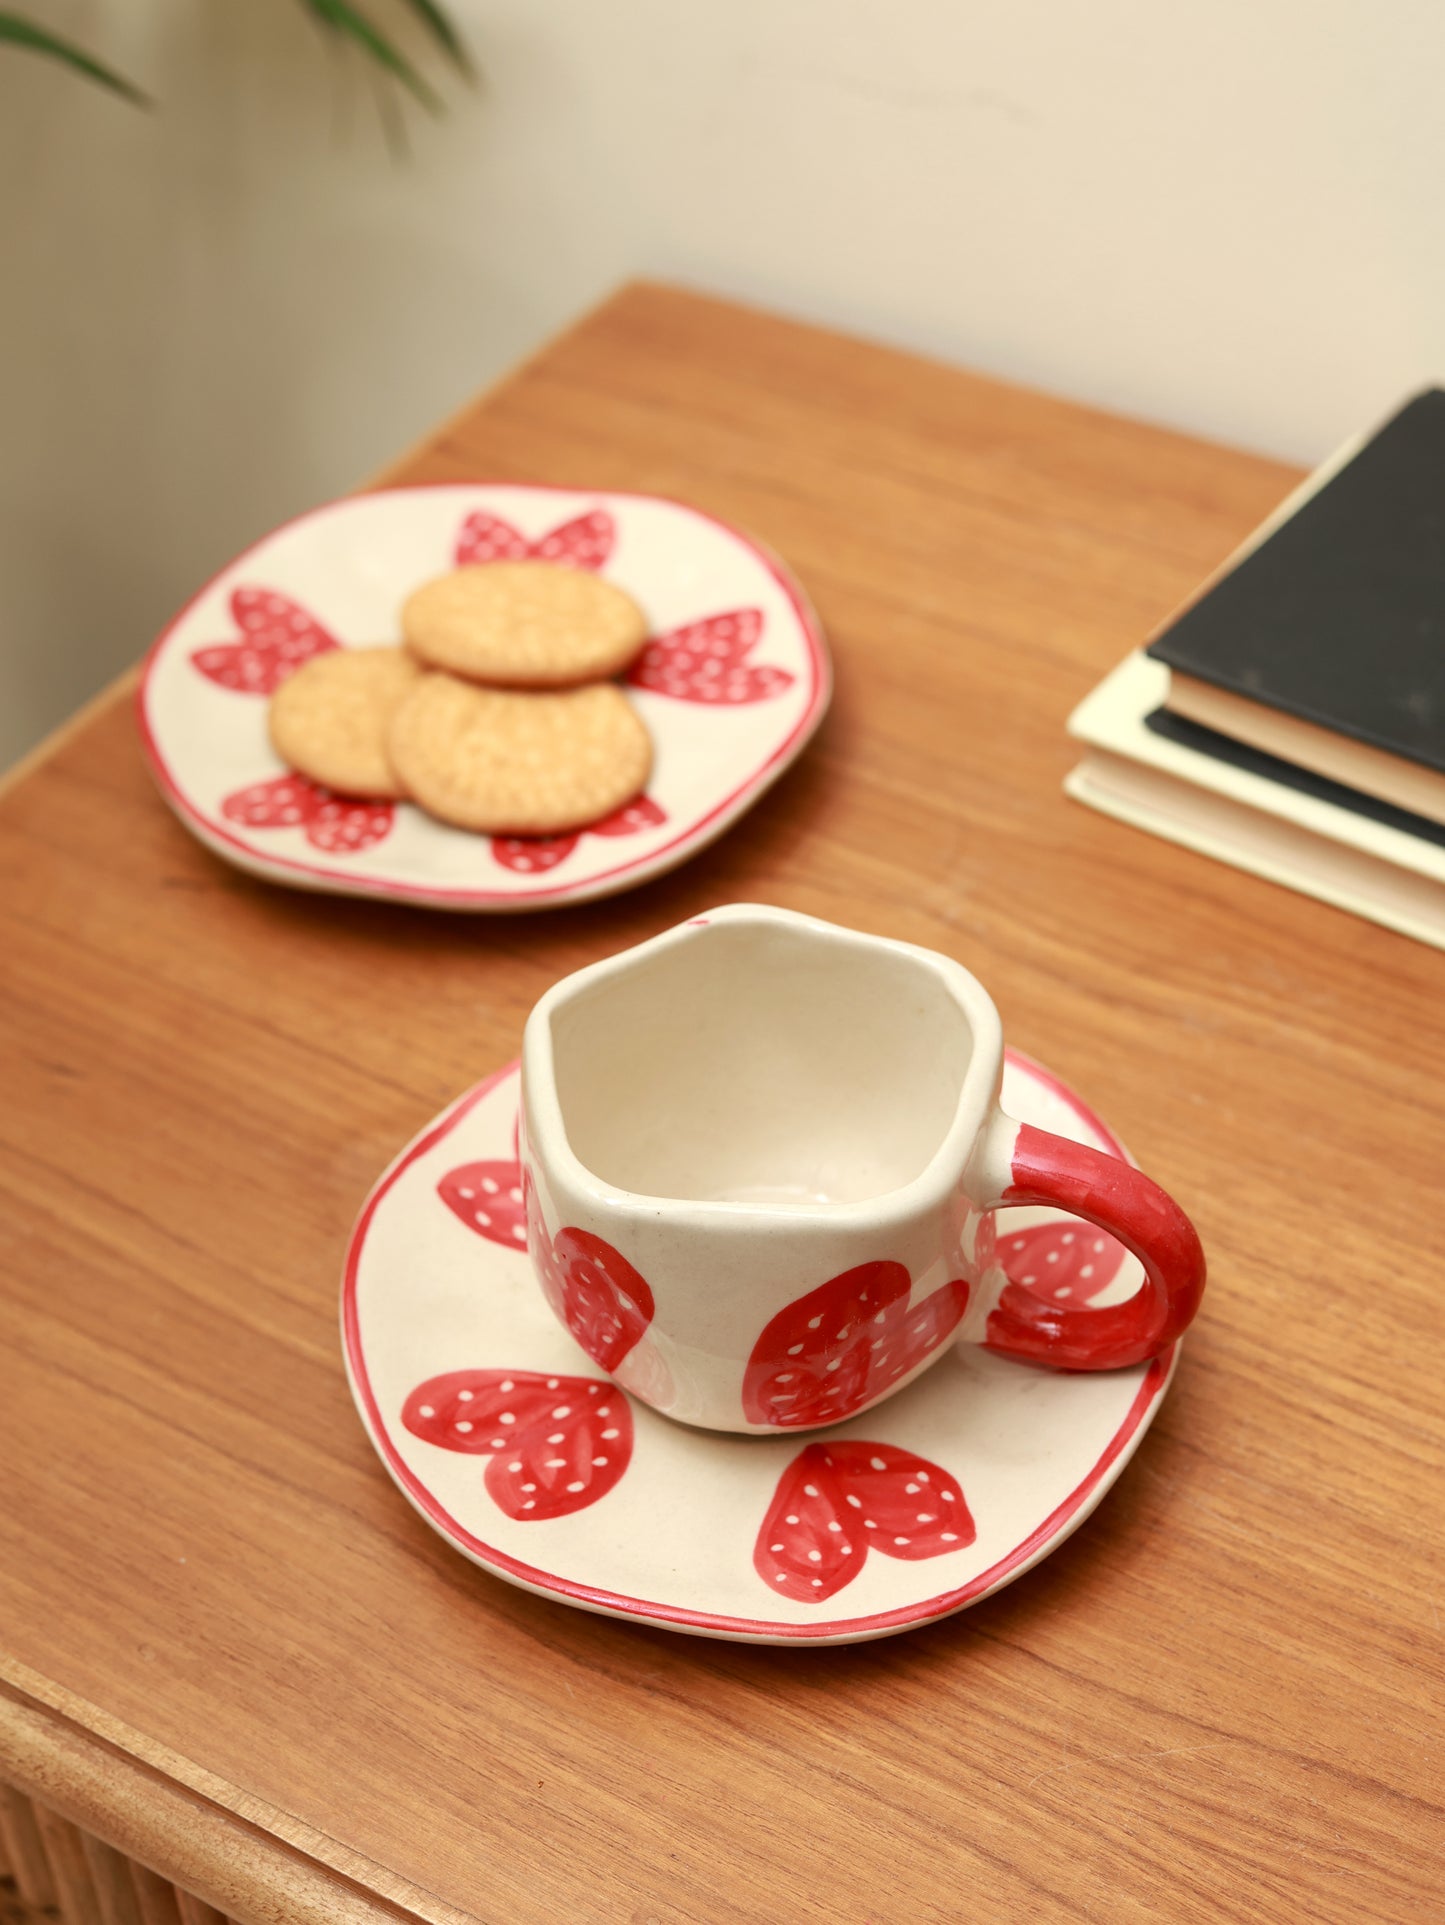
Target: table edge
249 1860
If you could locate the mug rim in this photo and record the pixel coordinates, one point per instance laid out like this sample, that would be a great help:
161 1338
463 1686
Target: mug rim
547 1138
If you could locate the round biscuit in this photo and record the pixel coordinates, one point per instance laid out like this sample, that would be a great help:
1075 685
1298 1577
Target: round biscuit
329 719
524 624
504 762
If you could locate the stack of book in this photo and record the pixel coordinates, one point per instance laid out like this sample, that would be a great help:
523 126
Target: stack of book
1291 718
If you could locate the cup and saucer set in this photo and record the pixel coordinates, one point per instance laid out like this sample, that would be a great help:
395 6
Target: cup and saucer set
769 1297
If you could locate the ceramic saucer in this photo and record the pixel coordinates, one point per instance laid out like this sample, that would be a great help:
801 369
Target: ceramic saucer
733 682
507 1439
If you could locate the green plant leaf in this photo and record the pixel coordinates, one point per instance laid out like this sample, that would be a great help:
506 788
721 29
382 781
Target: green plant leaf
338 17
444 33
20 32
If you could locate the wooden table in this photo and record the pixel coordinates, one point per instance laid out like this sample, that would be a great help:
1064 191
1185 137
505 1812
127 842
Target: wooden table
229 1649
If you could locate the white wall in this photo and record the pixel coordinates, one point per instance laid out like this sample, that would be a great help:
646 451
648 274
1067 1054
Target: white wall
1224 215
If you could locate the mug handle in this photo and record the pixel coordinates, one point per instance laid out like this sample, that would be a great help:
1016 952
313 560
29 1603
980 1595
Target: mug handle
1027 1165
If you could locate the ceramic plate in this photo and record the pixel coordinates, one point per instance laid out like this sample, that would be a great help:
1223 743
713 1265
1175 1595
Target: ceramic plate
501 1432
732 683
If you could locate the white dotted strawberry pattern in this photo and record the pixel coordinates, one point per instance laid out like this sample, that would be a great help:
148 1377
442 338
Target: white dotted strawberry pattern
828 1354
594 1291
702 662
584 542
277 636
556 1444
850 1533
592 1288
488 1198
1061 1260
530 855
603 1302
339 824
840 1345
838 1501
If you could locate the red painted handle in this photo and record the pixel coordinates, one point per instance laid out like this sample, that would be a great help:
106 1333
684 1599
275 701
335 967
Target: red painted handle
1122 1200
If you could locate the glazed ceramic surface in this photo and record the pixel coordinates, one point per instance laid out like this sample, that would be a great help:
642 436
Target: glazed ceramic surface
512 1443
732 683
761 1158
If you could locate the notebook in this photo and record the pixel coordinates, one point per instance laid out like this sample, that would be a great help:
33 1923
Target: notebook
1375 861
1322 641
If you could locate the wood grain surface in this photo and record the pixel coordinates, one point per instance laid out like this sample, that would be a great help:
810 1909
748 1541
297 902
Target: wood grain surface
84 1881
1220 1700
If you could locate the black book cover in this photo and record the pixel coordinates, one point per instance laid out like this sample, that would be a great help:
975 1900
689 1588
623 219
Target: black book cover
1240 755
1338 617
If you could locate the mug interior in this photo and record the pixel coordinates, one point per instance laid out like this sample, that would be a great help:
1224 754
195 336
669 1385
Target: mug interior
760 1063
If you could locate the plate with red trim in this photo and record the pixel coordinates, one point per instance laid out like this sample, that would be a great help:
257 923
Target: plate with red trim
732 682
509 1441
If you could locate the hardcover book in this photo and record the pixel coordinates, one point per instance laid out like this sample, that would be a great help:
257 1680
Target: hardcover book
1322 641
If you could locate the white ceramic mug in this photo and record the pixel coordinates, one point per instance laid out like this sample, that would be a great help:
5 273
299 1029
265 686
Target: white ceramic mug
761 1155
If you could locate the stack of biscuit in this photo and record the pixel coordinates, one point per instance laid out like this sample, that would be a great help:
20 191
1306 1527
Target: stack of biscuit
497 715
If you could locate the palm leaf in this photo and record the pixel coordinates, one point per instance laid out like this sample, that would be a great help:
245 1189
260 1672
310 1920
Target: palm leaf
21 32
444 33
338 17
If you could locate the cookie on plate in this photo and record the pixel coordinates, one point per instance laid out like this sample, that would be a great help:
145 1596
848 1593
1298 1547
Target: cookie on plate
524 624
329 719
504 762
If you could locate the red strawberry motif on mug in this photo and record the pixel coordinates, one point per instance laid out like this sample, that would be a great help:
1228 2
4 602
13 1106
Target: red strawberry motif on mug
841 1346
557 1444
836 1502
1061 1260
703 662
530 855
488 1198
597 1294
585 542
278 635
334 823
594 1291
